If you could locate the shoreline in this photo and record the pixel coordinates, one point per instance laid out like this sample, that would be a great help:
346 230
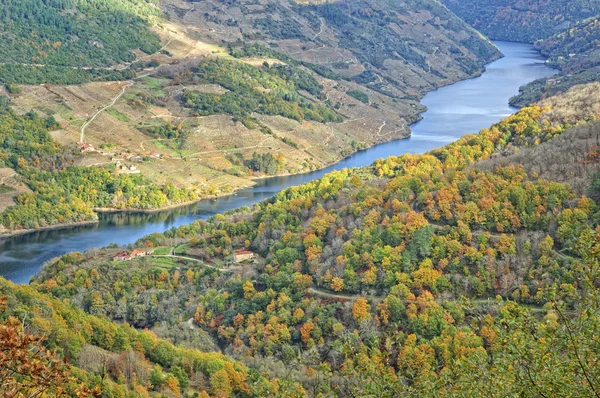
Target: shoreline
252 179
19 232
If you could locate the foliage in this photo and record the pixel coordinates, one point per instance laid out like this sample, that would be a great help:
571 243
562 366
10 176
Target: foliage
40 40
257 50
62 193
359 95
512 20
416 275
271 90
113 358
27 368
265 163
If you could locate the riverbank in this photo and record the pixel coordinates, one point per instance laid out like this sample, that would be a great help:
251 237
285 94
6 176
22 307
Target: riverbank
5 234
383 139
453 111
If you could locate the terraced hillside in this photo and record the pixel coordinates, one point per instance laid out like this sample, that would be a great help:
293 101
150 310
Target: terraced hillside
203 97
402 48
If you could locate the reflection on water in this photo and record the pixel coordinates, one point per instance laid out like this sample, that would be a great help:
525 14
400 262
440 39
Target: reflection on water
453 111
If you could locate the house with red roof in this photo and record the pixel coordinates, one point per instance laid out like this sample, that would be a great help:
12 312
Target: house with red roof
241 255
122 257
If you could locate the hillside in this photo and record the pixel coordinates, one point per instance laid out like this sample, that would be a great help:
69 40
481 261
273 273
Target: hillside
424 275
102 358
198 105
565 31
522 21
403 48
72 41
575 52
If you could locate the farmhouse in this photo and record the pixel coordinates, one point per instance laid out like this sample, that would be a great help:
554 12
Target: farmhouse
86 147
122 257
241 255
140 253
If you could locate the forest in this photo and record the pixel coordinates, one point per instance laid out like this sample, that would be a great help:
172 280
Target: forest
427 275
52 41
270 90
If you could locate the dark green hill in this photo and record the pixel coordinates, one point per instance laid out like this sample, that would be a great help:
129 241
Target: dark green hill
40 40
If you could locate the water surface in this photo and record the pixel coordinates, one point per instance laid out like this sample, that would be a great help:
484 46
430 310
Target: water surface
453 111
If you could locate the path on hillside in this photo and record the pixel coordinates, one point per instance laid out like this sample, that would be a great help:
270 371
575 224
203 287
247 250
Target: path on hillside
95 115
321 28
332 295
230 269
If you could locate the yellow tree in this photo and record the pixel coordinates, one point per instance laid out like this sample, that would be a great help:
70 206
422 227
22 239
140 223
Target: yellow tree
360 309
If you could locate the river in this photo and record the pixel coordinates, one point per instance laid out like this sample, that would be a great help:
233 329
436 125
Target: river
453 111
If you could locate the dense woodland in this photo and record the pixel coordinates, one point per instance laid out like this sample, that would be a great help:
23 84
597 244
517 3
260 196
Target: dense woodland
45 41
106 359
422 274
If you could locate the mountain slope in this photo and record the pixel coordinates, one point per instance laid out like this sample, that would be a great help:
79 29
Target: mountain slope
60 41
575 52
425 274
101 358
406 48
522 21
231 92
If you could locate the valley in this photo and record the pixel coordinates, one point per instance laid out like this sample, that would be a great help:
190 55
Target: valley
179 115
446 120
267 198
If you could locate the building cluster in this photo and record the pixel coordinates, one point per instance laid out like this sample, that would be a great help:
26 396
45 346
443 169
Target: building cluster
118 157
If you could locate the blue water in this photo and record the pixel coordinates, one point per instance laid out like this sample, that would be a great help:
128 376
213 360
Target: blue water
453 111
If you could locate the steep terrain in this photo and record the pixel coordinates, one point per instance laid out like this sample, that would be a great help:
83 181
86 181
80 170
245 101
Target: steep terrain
72 41
208 95
428 275
565 31
404 48
522 20
575 52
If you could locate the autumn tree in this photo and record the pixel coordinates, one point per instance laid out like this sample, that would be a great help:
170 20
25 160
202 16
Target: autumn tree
27 368
360 309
